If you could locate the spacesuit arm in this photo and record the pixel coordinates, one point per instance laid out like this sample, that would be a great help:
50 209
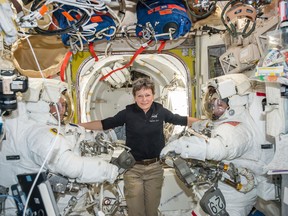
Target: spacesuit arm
85 169
228 142
187 147
64 161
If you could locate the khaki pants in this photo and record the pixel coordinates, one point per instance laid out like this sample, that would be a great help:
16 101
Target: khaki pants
142 188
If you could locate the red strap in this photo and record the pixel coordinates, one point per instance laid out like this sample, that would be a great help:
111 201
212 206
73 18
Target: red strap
162 46
64 65
140 50
193 213
164 7
68 16
233 123
259 94
176 6
92 51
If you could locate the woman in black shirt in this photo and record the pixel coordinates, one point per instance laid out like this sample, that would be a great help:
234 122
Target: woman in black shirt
144 122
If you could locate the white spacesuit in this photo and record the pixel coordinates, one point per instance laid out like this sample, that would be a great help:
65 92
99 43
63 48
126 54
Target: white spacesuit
33 133
234 138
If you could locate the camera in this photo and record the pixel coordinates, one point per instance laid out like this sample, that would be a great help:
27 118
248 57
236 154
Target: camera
10 84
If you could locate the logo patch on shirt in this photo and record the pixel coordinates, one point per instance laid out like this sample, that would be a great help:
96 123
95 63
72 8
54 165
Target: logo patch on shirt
154 118
154 115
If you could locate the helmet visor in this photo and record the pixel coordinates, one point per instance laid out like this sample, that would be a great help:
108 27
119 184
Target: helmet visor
213 105
65 108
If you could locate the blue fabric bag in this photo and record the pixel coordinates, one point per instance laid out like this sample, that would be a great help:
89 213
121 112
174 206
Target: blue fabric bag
161 16
102 22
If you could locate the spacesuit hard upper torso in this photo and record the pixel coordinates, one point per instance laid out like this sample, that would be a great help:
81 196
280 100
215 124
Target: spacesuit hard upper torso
237 139
21 153
28 142
244 139
234 139
25 147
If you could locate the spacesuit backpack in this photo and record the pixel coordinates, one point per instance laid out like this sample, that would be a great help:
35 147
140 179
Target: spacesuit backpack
162 20
92 27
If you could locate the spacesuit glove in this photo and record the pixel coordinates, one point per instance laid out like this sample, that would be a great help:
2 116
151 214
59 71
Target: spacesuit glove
113 173
188 147
96 170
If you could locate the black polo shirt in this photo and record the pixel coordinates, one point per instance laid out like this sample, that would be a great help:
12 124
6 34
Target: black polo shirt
144 132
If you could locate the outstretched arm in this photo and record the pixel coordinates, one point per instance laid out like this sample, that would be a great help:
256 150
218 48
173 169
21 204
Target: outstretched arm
191 120
228 142
93 125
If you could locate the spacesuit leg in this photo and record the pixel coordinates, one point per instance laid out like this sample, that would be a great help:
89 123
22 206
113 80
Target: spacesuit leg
270 207
238 204
10 207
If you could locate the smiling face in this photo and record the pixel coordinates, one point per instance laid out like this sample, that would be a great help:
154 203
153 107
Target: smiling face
143 92
64 107
144 98
61 107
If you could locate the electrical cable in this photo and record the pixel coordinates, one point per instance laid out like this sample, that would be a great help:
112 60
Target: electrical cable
54 140
72 28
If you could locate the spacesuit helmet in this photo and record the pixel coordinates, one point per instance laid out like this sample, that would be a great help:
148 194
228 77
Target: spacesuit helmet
213 105
225 96
48 101
64 108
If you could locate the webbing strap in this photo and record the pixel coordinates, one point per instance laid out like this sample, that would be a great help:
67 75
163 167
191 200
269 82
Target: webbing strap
64 65
162 46
140 50
193 213
92 51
